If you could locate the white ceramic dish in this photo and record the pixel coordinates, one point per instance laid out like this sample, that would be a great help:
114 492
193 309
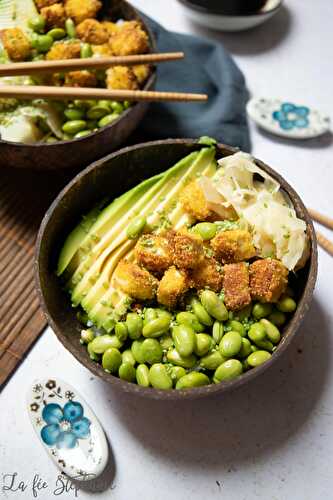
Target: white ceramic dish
231 23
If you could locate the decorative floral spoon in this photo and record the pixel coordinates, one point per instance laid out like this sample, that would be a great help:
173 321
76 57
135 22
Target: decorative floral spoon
287 119
68 429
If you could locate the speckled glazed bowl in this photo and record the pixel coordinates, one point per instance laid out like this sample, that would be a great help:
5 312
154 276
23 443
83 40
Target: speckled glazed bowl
112 176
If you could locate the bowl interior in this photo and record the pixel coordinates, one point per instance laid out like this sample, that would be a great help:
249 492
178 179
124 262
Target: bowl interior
110 177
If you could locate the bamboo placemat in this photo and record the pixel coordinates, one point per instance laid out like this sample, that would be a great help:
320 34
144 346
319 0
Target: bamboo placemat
24 198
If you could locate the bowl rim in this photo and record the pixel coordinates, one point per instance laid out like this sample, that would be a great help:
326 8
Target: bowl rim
199 392
214 12
151 80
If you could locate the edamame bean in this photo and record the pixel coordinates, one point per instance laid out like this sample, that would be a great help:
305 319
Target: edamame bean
70 28
175 358
271 331
229 370
206 230
116 107
86 50
188 318
201 313
245 365
121 331
152 351
74 113
37 23
254 348
87 336
257 333
236 326
161 313
111 360
184 339
136 349
177 372
127 357
97 112
245 350
244 313
218 330
213 305
57 33
159 377
192 379
265 345
156 328
103 342
212 360
142 375
127 372
261 310
106 120
83 133
258 358
92 354
134 325
166 342
278 318
149 315
136 226
126 104
286 304
230 344
42 43
91 124
74 126
203 344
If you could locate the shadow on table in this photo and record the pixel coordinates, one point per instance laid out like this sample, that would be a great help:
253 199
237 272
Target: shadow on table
239 426
253 41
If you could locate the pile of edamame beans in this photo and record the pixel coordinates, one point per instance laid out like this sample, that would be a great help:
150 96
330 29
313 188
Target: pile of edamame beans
204 344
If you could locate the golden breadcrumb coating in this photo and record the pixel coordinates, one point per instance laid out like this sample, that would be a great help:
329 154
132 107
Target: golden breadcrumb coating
80 79
141 71
92 31
54 15
172 287
207 275
268 280
63 50
194 202
129 39
188 249
16 43
102 50
236 286
45 3
153 252
111 27
233 246
121 78
138 283
79 10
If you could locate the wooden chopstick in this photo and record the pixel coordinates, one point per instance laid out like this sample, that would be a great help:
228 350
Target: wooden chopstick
30 68
322 219
68 93
325 243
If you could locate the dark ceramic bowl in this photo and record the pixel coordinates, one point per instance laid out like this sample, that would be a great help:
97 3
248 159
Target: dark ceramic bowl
81 152
112 176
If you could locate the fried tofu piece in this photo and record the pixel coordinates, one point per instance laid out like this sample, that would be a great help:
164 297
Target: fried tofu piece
194 202
268 280
188 249
82 78
64 50
54 15
141 71
172 287
236 286
111 27
121 78
101 50
129 39
16 43
233 246
138 283
92 31
153 252
45 3
79 10
207 275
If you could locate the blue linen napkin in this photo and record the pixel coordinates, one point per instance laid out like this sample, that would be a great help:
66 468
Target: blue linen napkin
207 68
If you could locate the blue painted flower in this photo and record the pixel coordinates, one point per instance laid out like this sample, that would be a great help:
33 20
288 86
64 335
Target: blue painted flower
290 116
64 425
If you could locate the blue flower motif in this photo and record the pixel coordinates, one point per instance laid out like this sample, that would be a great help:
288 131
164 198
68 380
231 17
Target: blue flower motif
64 425
290 116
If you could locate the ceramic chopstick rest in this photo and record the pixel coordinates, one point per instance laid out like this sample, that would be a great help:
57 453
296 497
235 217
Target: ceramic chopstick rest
68 429
287 119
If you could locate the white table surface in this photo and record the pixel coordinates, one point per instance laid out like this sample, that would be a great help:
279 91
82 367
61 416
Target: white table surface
272 440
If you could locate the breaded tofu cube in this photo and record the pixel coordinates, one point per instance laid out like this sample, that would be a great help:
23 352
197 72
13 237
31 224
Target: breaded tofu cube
111 27
129 39
188 250
54 15
207 275
236 286
82 78
153 252
16 43
45 3
268 280
121 78
194 201
171 287
141 71
79 10
233 246
64 50
137 282
102 50
92 31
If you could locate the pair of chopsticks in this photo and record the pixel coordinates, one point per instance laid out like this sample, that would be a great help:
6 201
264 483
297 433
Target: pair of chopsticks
325 221
60 93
